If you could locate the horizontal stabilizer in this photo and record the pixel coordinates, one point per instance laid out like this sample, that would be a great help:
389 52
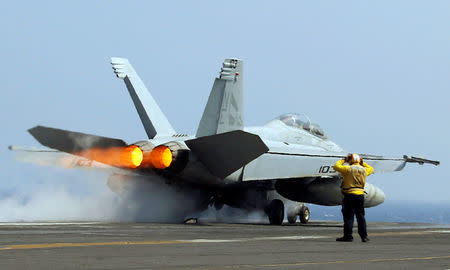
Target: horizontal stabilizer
225 153
72 142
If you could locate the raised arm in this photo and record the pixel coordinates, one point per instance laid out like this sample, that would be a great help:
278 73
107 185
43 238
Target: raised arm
369 169
340 167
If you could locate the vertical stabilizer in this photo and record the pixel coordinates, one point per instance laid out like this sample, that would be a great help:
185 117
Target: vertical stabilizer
224 109
154 121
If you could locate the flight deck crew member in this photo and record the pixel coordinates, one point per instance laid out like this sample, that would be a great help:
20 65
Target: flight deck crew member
354 179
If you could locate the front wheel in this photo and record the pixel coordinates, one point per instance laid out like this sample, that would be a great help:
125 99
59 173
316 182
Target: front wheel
304 215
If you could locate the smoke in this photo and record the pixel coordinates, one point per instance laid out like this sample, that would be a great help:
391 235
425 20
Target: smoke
74 195
150 199
102 193
55 204
233 215
54 194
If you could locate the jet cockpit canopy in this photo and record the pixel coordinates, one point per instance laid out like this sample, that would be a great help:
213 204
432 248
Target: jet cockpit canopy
301 121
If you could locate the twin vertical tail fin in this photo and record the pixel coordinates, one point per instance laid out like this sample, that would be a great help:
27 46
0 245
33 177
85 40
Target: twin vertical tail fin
222 113
224 109
154 121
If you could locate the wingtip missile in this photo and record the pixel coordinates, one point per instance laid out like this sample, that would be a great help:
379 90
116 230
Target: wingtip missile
420 160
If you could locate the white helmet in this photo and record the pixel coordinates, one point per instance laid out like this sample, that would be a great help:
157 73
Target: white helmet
353 158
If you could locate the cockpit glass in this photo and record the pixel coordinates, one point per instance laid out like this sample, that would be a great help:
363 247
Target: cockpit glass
301 121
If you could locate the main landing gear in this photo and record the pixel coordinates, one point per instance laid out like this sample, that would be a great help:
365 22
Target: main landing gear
275 212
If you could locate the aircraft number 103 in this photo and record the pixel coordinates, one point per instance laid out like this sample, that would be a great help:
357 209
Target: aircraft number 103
326 169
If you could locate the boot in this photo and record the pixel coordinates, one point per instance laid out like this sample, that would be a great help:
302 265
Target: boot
365 239
344 239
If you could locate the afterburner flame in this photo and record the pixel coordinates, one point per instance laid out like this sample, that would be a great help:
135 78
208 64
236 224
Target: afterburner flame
161 157
127 157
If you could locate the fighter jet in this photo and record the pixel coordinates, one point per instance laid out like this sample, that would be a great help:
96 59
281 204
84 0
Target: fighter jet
288 159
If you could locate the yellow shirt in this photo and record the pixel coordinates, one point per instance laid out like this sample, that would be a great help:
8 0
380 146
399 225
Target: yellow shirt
354 176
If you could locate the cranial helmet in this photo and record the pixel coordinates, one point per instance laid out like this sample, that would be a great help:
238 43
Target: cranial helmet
353 158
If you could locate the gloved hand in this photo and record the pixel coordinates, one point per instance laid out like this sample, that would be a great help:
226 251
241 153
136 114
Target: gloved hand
348 158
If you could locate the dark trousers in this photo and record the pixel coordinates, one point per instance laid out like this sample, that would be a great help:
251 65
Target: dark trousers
353 205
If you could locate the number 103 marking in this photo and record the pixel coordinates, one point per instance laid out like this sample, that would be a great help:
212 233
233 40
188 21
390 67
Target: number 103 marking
326 169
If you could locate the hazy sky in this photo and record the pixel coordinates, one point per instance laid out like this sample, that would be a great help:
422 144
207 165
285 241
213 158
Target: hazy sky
374 74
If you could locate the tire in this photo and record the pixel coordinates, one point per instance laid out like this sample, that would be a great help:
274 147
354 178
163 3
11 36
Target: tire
275 212
292 219
304 215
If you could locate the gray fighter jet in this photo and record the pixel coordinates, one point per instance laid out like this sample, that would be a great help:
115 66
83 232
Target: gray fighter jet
288 159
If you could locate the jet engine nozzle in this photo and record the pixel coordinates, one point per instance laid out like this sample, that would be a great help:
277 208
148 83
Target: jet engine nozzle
172 156
161 157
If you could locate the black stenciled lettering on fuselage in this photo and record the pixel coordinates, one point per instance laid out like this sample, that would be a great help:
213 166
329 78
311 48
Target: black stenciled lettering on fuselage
326 169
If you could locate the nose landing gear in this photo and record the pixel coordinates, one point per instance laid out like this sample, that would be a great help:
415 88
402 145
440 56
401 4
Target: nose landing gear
300 210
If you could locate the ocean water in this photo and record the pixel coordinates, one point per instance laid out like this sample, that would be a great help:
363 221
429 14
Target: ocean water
396 211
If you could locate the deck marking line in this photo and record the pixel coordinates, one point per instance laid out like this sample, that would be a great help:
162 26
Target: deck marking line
92 244
157 242
191 241
440 231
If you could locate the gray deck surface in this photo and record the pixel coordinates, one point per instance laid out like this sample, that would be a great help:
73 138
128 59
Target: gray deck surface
220 246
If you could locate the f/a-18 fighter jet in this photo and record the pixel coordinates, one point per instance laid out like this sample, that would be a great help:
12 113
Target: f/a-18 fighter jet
288 159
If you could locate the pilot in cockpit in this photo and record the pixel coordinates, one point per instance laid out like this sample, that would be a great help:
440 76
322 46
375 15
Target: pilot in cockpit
301 121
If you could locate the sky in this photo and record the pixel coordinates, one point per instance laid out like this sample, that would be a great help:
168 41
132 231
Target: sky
373 74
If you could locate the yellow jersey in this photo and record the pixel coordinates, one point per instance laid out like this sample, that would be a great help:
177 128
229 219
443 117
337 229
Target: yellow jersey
354 176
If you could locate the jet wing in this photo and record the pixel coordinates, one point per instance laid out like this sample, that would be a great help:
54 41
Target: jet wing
387 164
283 162
420 160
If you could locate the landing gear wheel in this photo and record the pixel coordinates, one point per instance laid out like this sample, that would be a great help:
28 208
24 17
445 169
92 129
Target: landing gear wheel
292 219
292 213
304 215
275 212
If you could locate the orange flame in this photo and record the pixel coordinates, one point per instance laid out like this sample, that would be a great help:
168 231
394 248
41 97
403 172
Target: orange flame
160 157
127 157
